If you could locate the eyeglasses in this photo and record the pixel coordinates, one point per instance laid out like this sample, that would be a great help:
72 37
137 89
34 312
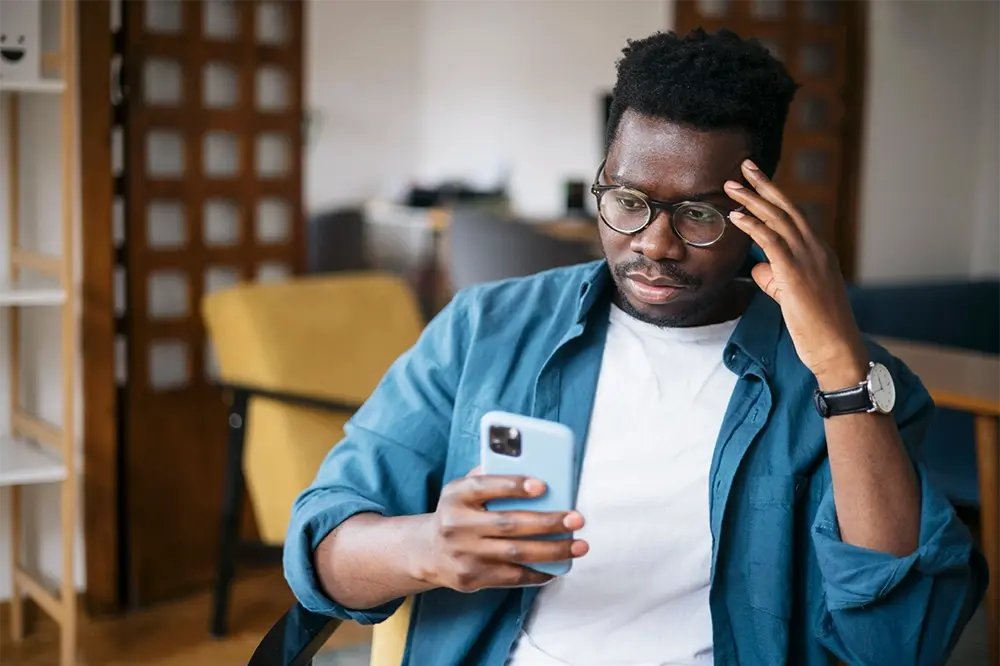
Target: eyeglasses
629 211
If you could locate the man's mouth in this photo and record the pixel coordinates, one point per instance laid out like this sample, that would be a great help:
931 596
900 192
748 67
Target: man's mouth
652 291
12 55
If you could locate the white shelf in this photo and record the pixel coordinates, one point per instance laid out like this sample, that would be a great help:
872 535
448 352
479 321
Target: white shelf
44 86
27 296
23 463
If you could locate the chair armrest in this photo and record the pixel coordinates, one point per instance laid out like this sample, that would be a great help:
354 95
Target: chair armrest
294 639
300 399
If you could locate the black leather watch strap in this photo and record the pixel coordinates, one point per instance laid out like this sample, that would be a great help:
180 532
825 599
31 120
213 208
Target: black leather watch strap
845 401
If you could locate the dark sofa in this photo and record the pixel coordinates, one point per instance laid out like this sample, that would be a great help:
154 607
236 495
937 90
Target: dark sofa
964 314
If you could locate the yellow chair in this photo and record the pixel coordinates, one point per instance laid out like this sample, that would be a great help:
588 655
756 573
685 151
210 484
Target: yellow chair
298 357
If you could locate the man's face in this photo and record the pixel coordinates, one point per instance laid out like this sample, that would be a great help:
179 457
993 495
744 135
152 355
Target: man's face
668 162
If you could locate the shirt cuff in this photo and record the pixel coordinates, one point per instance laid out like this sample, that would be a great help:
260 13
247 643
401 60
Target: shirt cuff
311 523
855 576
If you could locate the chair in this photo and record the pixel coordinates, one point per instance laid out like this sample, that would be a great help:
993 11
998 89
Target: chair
336 241
484 248
297 359
296 638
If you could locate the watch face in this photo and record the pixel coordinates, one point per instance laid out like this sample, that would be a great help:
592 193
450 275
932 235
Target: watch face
883 391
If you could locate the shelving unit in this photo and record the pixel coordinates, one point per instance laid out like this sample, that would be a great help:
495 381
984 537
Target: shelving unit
33 451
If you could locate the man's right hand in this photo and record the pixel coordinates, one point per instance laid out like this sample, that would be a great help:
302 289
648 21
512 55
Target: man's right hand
470 548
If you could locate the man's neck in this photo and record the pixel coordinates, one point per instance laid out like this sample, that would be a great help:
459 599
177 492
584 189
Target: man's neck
732 304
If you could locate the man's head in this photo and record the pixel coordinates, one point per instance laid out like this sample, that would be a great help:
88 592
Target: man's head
686 112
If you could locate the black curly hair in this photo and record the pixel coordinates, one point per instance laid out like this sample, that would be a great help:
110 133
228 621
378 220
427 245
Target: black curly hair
707 81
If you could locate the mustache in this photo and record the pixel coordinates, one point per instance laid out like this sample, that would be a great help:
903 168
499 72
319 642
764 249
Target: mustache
656 269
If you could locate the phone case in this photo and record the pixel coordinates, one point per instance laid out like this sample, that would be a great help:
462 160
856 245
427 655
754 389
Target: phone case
547 454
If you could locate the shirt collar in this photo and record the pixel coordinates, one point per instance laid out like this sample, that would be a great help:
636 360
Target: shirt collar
594 288
756 336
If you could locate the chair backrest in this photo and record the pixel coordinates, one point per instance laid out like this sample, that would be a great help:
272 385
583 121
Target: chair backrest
963 314
329 337
336 241
484 248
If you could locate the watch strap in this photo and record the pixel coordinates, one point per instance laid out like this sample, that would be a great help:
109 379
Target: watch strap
851 400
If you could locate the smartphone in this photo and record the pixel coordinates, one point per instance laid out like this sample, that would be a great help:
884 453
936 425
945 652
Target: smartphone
543 450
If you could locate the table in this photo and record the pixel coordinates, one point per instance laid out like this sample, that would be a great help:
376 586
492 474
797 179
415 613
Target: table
969 381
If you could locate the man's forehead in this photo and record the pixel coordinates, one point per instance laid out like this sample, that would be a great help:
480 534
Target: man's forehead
667 175
666 159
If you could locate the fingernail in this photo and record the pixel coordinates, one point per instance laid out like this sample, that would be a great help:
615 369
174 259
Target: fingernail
573 521
750 165
533 486
579 548
733 185
737 216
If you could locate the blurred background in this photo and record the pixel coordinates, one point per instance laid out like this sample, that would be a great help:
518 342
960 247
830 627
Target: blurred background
222 220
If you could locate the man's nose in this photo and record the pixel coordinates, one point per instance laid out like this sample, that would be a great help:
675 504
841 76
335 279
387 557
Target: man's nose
658 241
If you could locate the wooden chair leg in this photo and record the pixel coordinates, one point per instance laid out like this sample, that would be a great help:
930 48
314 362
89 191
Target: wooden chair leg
988 463
17 628
231 504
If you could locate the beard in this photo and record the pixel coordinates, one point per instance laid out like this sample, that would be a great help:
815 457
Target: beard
688 312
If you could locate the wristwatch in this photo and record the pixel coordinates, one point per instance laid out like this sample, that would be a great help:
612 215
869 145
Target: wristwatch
876 393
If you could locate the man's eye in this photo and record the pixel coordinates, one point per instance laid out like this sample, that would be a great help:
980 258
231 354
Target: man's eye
629 203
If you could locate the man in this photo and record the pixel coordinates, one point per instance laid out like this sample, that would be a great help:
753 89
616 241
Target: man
750 489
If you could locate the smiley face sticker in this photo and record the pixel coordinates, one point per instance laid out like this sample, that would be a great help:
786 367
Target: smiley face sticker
20 23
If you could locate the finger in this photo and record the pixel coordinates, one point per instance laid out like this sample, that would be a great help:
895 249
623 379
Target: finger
524 551
478 489
475 471
774 246
765 211
763 275
529 523
515 575
773 194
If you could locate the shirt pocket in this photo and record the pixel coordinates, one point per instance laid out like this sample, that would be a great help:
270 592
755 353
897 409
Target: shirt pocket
463 451
782 507
770 552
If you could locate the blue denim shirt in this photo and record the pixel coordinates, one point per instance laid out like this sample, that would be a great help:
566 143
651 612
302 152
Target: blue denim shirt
785 589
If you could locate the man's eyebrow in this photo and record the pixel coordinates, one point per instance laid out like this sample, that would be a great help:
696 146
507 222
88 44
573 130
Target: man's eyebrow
619 180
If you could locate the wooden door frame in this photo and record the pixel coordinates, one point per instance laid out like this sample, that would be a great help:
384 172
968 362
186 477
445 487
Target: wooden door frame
101 487
846 247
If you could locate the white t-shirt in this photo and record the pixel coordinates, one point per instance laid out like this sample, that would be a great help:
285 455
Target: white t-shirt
640 596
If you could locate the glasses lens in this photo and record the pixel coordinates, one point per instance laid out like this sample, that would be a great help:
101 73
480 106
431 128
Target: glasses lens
624 210
699 223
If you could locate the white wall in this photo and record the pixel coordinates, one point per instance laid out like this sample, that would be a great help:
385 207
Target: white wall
986 238
429 89
524 94
363 82
40 327
929 205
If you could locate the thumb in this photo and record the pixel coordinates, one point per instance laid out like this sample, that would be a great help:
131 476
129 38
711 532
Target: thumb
763 275
475 471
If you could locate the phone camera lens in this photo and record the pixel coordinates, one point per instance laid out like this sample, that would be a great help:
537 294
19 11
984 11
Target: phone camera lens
505 441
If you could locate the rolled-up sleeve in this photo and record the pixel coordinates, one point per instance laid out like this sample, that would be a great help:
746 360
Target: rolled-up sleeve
886 609
390 461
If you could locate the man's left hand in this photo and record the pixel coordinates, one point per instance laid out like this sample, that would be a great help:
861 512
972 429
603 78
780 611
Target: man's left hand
804 278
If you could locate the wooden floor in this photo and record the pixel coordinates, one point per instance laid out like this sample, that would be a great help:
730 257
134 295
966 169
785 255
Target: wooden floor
174 634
